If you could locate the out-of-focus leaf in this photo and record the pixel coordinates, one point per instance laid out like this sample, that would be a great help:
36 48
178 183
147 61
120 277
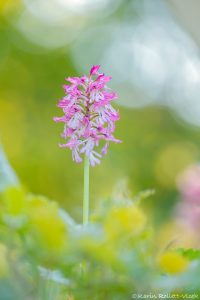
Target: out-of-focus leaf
54 275
7 174
191 254
68 220
143 195
15 222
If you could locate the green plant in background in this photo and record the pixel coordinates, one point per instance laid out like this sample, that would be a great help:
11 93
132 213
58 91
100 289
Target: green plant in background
46 255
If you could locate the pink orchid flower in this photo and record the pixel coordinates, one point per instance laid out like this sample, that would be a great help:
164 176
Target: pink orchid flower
88 115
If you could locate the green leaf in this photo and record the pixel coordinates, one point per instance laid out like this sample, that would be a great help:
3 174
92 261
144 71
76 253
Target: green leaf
191 254
143 195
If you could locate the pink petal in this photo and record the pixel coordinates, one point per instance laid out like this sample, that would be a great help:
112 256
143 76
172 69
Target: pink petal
110 95
94 70
103 78
60 119
74 80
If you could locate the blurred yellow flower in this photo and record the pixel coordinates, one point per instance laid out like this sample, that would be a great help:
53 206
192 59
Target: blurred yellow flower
3 261
46 223
14 199
101 251
124 220
173 262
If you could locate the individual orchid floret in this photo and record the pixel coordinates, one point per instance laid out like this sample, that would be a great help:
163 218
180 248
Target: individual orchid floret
88 116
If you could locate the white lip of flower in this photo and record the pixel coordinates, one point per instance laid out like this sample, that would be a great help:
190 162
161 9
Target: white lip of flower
94 160
75 154
96 96
87 148
74 122
103 117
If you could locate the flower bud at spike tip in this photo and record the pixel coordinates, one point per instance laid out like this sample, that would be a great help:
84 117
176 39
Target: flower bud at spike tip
88 116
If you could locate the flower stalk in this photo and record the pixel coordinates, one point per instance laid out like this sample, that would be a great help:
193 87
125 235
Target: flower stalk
89 119
86 193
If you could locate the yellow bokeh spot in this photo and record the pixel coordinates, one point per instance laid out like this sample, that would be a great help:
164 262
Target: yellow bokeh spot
172 160
173 263
46 223
124 220
103 252
14 199
8 5
3 261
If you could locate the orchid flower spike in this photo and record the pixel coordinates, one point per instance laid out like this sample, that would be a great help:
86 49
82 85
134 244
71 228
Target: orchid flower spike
88 116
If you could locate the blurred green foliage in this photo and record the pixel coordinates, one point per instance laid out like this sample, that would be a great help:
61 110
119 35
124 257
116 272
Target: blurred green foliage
46 256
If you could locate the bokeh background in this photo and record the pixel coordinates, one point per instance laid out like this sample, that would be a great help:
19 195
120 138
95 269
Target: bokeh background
151 49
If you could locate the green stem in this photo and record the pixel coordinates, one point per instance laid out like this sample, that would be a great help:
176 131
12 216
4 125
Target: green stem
86 196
